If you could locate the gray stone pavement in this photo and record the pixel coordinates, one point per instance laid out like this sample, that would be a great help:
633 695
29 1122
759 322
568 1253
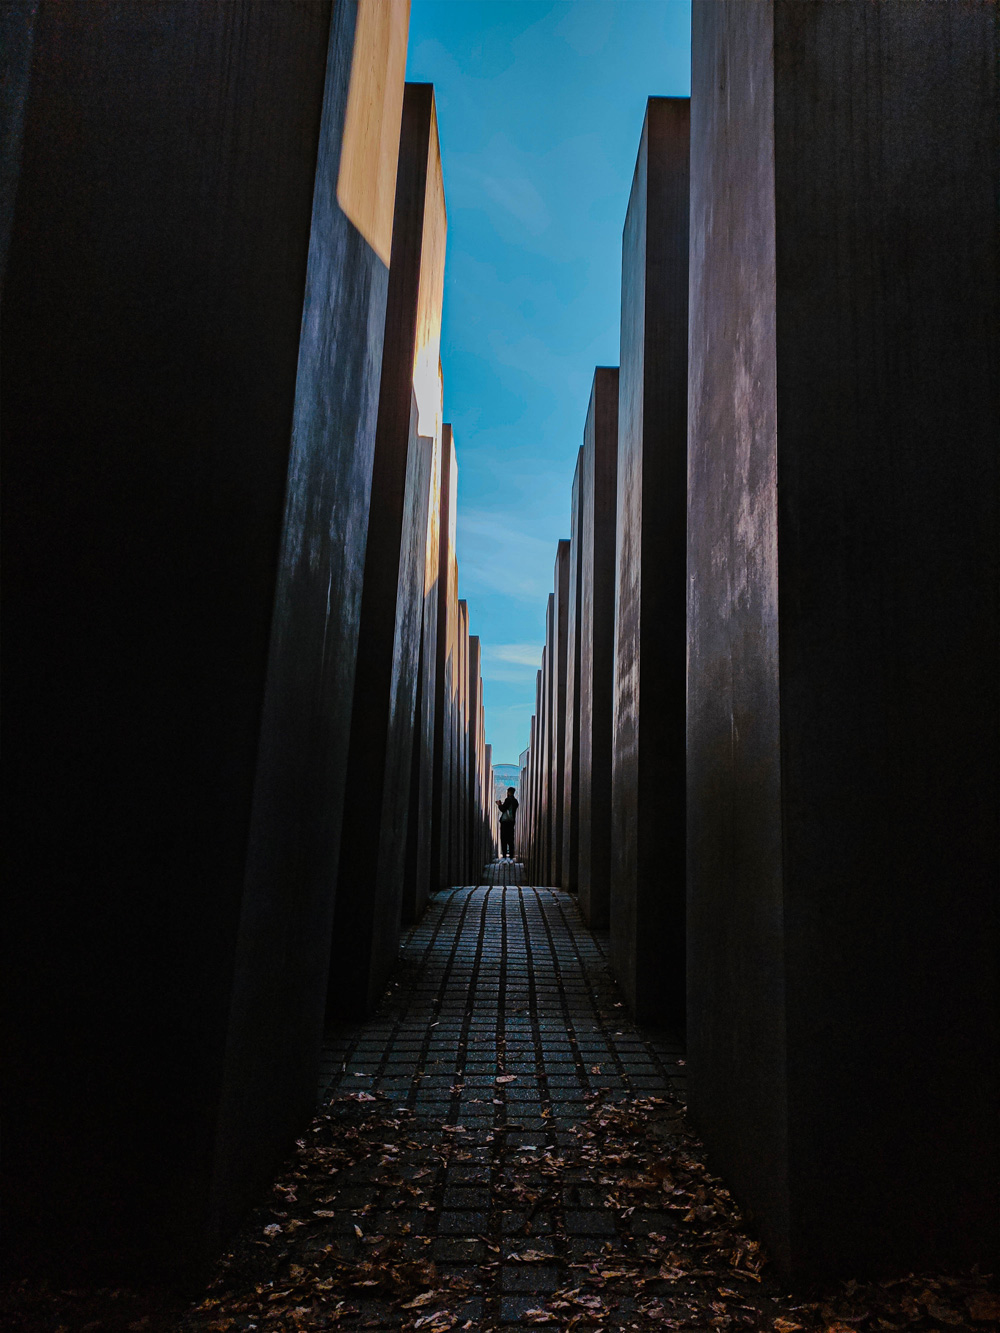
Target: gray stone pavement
500 1147
498 1030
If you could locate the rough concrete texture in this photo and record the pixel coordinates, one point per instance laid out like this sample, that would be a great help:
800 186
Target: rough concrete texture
180 564
560 625
571 749
843 791
446 646
420 832
598 515
462 869
648 785
17 41
376 805
476 789
545 750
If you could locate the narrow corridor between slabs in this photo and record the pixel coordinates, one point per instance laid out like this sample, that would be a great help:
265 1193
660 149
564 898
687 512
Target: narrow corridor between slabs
444 1124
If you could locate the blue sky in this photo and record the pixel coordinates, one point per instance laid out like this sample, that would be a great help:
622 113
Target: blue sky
540 106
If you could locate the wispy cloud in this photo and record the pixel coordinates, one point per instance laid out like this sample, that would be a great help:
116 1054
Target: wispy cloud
524 654
496 557
511 663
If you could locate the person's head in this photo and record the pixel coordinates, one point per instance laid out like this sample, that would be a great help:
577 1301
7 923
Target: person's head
511 790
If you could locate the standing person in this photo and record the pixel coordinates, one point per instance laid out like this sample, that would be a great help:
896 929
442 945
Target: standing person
508 813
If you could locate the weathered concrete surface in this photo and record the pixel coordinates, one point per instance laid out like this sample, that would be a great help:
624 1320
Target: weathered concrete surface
183 488
536 778
560 626
442 832
462 870
494 828
17 41
477 795
648 784
376 807
523 796
545 750
598 511
843 793
420 831
571 750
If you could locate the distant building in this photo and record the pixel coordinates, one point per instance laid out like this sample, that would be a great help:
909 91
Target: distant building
504 776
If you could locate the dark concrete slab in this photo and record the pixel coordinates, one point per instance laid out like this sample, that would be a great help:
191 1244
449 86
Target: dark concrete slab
843 789
493 826
571 750
442 832
560 626
477 851
532 822
648 783
17 41
523 796
376 806
417 876
185 516
462 867
598 511
545 753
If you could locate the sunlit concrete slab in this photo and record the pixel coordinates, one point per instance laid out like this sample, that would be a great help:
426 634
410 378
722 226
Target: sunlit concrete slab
377 800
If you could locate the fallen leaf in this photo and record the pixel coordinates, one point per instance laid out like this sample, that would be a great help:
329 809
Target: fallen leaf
437 1322
424 1298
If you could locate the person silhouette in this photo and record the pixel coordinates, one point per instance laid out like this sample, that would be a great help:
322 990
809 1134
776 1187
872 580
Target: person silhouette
508 813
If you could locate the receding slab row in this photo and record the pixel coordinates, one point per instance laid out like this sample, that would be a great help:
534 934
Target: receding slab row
779 771
248 731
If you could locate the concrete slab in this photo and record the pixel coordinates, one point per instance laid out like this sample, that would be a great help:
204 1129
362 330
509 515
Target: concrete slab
186 512
373 845
843 787
560 627
417 877
441 853
598 510
648 783
571 750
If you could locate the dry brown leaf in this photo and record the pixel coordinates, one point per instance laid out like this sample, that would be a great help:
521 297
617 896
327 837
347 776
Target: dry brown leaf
424 1298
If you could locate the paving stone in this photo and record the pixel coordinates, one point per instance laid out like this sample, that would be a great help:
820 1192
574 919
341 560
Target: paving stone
513 984
532 1277
591 1222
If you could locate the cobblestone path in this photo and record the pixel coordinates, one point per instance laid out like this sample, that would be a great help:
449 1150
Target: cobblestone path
499 1031
500 1147
502 978
503 982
